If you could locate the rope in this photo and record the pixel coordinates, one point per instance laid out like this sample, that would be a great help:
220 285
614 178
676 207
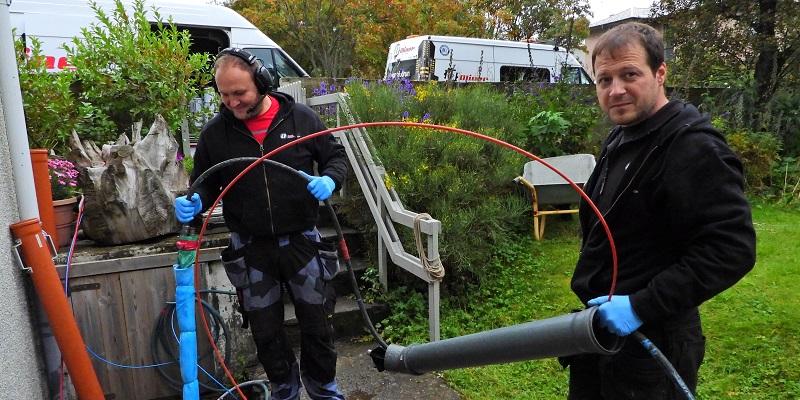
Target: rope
434 267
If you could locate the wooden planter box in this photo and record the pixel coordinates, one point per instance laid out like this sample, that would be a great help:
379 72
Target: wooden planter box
118 293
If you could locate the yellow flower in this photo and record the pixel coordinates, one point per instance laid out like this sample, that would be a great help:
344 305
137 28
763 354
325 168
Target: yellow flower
422 93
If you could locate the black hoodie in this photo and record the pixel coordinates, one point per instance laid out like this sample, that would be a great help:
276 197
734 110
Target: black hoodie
677 212
267 201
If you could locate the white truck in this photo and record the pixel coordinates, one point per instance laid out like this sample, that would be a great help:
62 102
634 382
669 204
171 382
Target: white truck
212 28
462 59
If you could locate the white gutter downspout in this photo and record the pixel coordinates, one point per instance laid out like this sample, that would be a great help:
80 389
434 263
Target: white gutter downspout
22 171
15 119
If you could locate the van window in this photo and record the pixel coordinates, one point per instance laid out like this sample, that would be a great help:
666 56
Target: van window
402 70
275 61
577 75
525 74
203 40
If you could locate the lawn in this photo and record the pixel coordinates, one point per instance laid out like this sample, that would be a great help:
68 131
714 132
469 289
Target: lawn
753 329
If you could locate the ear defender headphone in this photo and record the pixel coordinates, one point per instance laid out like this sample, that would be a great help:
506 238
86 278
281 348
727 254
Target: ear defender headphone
264 80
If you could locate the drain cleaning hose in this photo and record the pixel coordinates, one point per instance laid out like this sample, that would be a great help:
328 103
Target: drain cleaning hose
664 364
344 252
376 124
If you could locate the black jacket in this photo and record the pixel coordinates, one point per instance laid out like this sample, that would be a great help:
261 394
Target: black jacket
678 215
267 201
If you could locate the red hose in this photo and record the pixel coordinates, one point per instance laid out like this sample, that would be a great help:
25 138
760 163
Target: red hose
489 139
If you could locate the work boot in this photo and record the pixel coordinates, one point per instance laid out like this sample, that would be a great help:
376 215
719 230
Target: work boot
318 391
289 390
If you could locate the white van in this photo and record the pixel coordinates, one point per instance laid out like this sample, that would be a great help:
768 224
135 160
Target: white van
212 28
462 59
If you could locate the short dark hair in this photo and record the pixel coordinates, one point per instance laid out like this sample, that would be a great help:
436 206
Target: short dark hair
626 34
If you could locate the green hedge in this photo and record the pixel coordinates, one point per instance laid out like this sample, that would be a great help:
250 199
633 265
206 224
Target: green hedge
462 181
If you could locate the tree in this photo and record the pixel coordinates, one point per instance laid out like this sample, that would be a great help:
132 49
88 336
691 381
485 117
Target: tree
314 29
351 37
741 43
563 21
339 38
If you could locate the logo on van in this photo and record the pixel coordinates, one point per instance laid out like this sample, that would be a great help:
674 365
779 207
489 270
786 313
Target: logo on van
407 49
444 50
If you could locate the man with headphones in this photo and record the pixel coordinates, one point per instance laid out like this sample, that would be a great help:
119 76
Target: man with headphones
272 215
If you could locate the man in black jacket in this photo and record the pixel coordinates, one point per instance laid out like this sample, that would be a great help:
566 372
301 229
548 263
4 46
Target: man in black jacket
672 193
272 216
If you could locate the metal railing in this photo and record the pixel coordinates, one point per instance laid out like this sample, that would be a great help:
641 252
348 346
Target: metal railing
384 204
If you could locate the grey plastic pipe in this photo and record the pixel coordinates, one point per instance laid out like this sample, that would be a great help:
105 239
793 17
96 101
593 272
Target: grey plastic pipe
565 335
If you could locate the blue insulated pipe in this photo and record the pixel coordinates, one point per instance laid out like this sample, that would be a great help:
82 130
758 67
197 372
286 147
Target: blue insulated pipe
184 306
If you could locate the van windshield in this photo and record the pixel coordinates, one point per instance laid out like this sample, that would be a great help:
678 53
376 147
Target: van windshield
402 69
577 75
276 62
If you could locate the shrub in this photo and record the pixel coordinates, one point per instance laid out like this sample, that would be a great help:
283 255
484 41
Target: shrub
561 119
128 70
50 108
758 152
548 130
462 181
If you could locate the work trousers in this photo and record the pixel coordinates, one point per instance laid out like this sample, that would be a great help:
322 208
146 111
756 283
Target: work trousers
632 373
262 269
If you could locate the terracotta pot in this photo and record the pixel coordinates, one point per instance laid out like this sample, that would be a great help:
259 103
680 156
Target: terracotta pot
65 216
44 194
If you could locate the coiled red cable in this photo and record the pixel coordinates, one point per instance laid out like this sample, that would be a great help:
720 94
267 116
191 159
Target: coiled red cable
391 123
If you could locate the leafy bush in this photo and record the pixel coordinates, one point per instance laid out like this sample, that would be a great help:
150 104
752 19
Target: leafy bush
50 108
757 150
462 181
548 129
128 70
562 119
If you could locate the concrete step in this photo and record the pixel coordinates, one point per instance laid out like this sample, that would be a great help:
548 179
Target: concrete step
347 319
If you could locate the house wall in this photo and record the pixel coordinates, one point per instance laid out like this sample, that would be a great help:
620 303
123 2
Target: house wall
21 368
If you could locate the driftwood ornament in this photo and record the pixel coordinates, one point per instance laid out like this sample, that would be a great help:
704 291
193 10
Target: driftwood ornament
129 187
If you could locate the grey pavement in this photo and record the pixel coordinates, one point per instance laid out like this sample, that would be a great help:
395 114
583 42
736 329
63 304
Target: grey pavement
359 380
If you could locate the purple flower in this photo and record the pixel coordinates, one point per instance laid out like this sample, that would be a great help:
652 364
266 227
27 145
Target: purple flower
405 114
426 116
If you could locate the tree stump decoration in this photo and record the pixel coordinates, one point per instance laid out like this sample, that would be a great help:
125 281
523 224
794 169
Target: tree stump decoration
130 186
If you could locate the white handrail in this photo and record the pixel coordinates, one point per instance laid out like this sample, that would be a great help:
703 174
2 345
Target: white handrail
386 207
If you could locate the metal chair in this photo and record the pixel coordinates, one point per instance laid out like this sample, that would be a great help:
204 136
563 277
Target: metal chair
548 188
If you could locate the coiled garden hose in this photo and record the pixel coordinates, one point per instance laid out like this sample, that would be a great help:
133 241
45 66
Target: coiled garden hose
163 339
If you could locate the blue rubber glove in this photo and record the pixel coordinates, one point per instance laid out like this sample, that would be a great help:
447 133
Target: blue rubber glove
616 315
186 209
320 186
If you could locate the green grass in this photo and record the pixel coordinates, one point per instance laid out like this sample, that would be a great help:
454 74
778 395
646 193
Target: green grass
753 329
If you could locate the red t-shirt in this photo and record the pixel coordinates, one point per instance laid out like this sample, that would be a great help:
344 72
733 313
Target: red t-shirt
259 124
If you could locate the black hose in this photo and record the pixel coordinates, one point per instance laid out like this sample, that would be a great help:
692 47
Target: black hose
160 340
359 299
665 364
223 164
340 235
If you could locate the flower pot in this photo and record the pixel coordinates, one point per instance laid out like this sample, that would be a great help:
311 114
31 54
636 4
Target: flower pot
65 216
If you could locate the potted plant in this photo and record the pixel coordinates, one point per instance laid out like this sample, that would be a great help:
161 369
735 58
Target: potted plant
64 186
